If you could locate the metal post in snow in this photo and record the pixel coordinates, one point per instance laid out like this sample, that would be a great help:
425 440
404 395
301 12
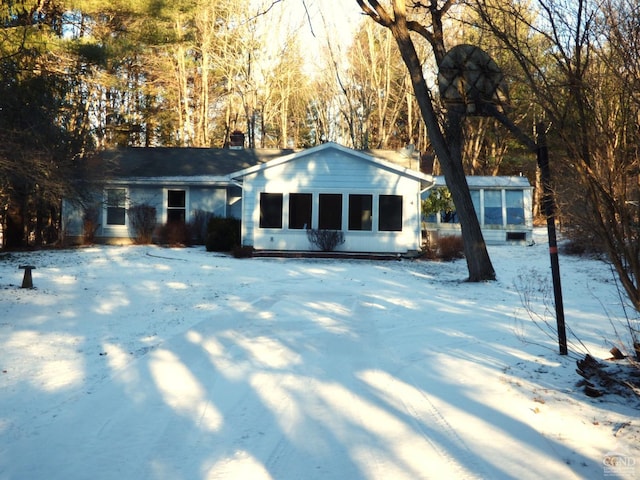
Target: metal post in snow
549 210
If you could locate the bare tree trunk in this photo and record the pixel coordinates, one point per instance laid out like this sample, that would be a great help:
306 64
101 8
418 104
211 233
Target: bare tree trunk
448 149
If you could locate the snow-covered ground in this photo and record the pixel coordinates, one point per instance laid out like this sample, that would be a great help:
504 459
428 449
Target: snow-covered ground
153 363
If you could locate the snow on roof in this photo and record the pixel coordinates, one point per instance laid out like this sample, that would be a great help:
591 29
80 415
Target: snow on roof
485 181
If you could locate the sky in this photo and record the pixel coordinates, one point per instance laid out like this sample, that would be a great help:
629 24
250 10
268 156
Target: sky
326 17
321 21
151 363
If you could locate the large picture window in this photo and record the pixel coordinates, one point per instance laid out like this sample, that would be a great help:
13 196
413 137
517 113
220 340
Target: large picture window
176 206
493 207
390 213
515 207
270 210
116 199
300 210
360 212
330 211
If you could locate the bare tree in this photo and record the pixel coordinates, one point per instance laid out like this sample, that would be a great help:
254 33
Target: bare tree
580 61
378 84
447 141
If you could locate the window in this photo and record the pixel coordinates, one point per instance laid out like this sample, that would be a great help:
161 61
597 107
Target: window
176 206
360 212
515 207
475 198
270 210
493 207
390 213
330 211
300 210
449 216
116 206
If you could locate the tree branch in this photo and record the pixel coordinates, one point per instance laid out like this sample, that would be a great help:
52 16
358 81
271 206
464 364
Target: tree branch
373 9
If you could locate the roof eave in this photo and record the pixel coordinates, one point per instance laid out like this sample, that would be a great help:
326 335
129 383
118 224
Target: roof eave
204 180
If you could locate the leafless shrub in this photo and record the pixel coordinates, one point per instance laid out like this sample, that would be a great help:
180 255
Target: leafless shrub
450 247
536 297
628 343
199 224
325 240
175 234
90 224
142 219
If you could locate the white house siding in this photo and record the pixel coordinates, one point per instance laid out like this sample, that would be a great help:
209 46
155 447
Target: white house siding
249 199
211 200
331 171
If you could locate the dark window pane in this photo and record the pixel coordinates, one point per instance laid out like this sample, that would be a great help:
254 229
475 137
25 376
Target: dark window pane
330 211
176 199
449 217
176 203
300 210
270 210
176 215
390 214
115 216
360 212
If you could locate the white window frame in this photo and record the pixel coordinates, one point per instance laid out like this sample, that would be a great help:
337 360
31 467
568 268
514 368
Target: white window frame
165 203
105 207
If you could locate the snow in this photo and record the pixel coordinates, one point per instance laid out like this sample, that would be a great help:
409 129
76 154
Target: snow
142 362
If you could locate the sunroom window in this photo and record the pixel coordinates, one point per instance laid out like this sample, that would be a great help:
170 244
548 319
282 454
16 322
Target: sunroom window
360 212
515 207
330 211
300 210
493 207
390 213
270 210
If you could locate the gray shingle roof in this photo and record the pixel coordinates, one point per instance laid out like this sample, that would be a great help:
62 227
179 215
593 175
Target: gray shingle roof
140 162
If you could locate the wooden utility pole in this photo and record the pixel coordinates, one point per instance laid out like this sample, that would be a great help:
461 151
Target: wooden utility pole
549 211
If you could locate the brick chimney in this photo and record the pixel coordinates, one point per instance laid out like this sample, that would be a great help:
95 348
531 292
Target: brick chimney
236 140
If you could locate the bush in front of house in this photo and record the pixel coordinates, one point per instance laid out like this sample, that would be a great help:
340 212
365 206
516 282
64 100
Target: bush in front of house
199 226
450 247
175 234
142 219
90 223
325 240
223 234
